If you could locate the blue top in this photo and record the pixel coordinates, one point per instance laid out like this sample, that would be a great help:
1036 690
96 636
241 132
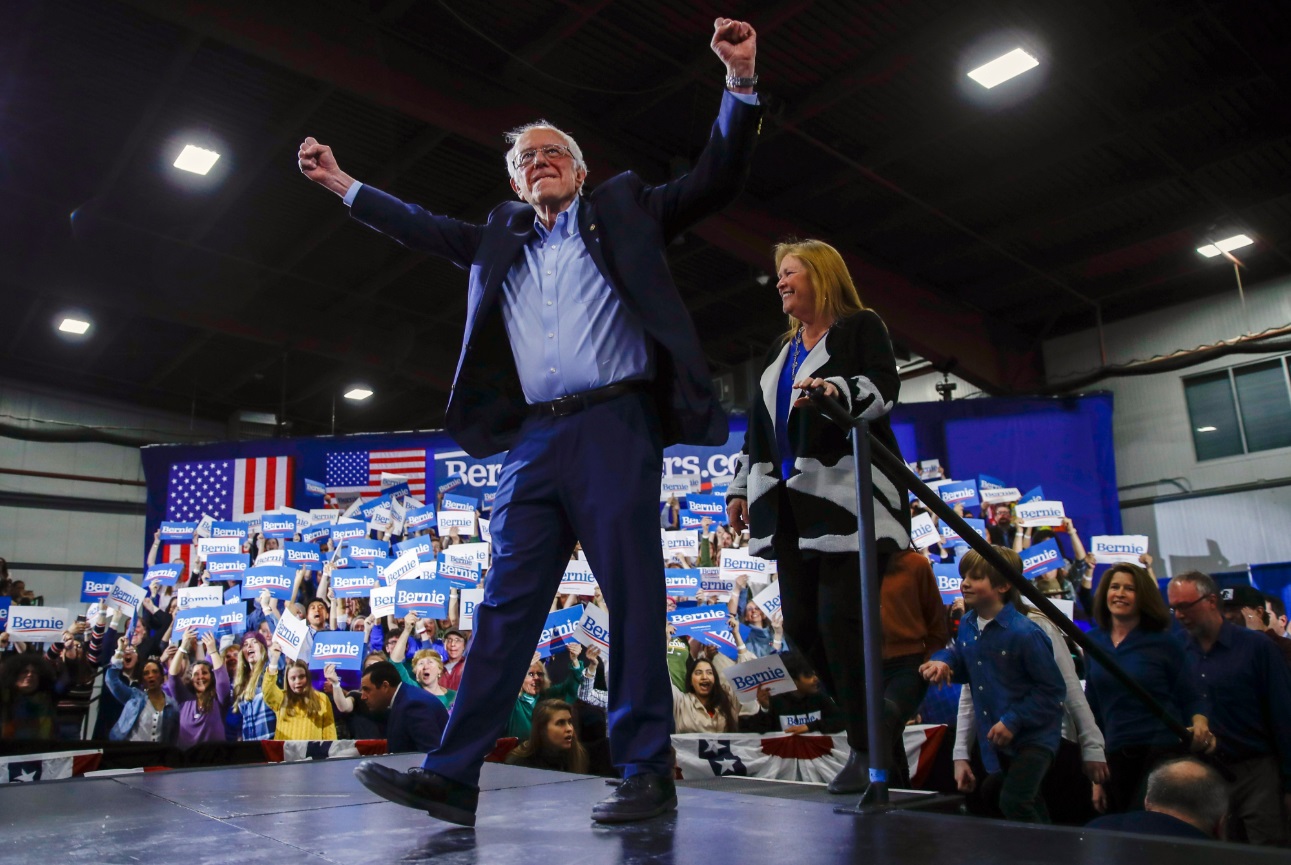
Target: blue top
1248 687
1009 665
1156 660
783 402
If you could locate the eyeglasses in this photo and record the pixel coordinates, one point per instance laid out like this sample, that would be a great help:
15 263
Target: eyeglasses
1188 605
525 158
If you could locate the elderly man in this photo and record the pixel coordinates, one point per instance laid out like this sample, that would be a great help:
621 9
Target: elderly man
1248 688
1185 799
581 361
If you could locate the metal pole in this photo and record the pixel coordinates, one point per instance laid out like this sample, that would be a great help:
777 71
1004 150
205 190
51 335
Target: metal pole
876 794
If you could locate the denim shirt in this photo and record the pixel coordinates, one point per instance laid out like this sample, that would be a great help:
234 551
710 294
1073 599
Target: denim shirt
1009 666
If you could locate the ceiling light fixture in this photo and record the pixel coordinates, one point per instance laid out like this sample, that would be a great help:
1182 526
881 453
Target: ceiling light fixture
74 325
1228 244
1206 429
196 159
1003 68
358 393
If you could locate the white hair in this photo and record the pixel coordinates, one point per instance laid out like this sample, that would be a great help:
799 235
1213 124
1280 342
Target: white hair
513 138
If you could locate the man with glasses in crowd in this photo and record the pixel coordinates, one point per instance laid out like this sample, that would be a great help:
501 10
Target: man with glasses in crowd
1248 688
579 359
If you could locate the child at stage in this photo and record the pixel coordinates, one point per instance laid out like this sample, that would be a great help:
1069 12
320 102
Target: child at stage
1007 661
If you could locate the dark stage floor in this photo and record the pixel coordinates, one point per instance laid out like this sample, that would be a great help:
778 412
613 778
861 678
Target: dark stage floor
317 812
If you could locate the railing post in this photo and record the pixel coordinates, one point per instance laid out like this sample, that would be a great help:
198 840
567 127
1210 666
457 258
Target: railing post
876 794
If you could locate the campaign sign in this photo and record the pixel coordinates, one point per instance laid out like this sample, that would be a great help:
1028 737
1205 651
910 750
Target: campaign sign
948 581
342 648
960 493
200 620
693 621
1035 495
420 546
427 598
593 629
232 618
301 553
923 531
469 600
475 551
232 594
224 529
381 601
578 579
463 521
403 568
382 519
714 585
125 596
200 596
713 507
168 573
368 508
292 636
455 502
204 526
448 485
347 530
366 550
951 538
397 491
178 533
5 603
1000 495
463 575
315 533
1114 549
278 525
1065 606
271 557
1041 513
315 488
734 563
96 585
768 601
724 640
986 482
681 582
687 521
224 567
354 582
559 630
419 518
748 677
679 486
455 470
37 624
685 543
1041 558
276 579
486 534
210 546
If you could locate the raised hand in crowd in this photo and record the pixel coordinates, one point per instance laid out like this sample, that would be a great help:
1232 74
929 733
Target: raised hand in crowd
213 653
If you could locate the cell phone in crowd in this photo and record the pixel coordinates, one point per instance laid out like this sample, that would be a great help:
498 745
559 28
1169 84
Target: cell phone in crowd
80 618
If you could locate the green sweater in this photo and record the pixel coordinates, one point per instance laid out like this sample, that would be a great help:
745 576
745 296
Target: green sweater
522 714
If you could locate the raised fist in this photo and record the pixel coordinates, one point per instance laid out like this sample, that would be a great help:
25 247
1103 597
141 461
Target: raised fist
736 44
319 165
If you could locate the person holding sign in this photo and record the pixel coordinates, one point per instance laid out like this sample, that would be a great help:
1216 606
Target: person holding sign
205 699
148 713
804 710
303 713
795 485
537 686
580 360
257 719
707 704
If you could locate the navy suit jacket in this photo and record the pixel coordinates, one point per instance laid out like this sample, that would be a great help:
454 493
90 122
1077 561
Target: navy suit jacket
626 225
417 720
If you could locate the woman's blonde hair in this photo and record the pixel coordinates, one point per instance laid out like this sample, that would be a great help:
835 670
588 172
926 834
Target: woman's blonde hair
836 295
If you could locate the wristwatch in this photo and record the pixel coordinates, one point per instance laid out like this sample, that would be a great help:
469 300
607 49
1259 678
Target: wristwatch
732 82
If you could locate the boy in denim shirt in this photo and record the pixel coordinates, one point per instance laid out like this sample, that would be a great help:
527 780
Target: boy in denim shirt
1007 662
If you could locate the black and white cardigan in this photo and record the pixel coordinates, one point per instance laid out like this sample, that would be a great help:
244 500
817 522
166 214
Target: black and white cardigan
855 356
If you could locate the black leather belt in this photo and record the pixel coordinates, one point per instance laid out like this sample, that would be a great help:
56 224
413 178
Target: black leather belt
576 402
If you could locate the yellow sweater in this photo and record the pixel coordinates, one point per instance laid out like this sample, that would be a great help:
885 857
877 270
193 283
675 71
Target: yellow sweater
298 725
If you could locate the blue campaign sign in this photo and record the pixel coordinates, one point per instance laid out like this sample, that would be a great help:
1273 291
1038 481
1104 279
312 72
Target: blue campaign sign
724 640
355 582
948 581
466 476
178 533
232 618
986 482
166 573
95 585
342 648
362 549
1035 495
347 530
454 502
300 553
681 582
1041 558
315 488
224 566
558 632
693 621
278 579
960 493
397 491
227 529
427 598
370 507
278 525
233 594
419 518
315 533
951 538
463 575
420 545
713 507
202 620
4 611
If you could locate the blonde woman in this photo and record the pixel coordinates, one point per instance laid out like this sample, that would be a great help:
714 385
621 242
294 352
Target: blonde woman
258 720
303 713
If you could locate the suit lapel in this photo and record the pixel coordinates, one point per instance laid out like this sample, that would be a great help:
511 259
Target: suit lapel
771 379
591 231
518 228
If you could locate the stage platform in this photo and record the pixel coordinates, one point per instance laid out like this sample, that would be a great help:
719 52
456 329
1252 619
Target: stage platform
317 813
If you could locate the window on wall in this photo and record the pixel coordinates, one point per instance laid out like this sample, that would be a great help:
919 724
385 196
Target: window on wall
1240 410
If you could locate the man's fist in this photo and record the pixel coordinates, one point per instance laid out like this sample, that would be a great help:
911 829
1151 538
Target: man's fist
736 44
319 165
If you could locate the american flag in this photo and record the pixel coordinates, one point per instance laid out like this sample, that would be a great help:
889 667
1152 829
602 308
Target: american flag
225 490
360 471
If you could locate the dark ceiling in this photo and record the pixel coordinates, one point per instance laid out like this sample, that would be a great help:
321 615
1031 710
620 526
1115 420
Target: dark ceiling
976 222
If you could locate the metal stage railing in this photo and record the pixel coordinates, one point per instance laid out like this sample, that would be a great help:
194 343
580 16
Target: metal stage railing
866 450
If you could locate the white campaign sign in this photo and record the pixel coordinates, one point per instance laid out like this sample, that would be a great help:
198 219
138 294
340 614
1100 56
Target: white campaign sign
679 486
463 521
37 624
768 601
474 552
746 678
1039 514
685 543
469 599
594 629
923 531
201 596
406 566
484 531
1115 549
1066 607
998 496
271 557
735 563
714 585
381 601
293 637
209 546
125 596
382 519
578 580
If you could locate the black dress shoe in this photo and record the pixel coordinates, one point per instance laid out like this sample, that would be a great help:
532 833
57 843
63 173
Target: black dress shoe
637 798
440 797
854 777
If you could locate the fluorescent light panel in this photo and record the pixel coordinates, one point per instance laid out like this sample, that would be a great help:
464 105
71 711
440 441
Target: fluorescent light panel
74 325
1206 429
358 393
196 159
1228 244
1001 69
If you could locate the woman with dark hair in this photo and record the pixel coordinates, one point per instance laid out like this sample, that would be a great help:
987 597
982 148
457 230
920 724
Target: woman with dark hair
553 741
707 705
148 713
28 703
795 484
303 713
204 700
1134 628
